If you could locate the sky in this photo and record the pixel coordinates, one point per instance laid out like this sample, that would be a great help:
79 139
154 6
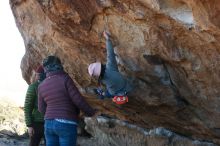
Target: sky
12 85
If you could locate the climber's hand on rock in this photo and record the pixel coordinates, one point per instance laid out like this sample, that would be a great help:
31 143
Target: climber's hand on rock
30 131
106 34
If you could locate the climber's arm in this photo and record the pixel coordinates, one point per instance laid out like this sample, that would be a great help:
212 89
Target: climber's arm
111 60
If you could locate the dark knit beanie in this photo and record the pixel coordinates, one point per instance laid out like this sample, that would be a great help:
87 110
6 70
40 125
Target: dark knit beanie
51 60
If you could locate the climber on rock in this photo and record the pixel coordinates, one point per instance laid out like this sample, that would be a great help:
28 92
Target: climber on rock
117 85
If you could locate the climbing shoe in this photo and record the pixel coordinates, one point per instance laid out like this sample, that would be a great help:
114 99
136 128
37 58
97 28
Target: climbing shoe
120 99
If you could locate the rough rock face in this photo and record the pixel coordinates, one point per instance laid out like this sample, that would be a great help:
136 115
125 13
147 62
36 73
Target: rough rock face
113 132
170 48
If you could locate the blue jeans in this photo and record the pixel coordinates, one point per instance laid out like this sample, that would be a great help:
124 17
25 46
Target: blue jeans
60 134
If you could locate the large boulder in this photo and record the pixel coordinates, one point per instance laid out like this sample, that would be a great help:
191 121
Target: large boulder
169 48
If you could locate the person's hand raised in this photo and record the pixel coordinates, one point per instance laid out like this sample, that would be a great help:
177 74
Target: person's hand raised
106 35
